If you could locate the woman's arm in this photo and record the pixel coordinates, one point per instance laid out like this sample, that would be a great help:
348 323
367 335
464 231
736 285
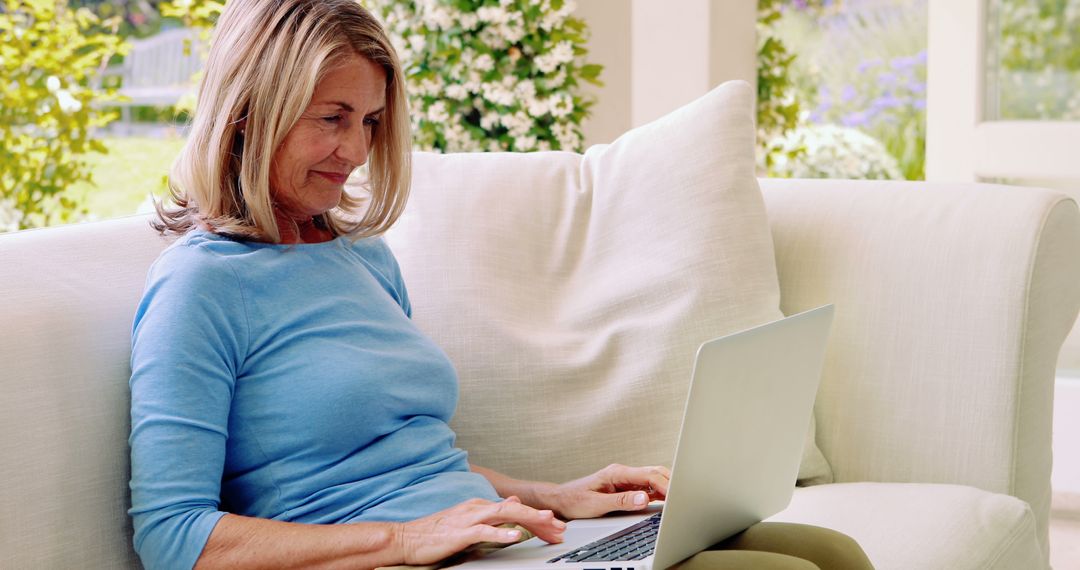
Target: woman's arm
189 338
613 488
536 494
244 542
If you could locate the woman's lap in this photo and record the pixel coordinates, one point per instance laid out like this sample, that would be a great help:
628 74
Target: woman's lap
782 545
742 560
769 546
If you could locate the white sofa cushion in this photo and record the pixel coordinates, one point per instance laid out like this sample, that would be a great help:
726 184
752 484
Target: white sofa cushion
904 525
67 298
587 283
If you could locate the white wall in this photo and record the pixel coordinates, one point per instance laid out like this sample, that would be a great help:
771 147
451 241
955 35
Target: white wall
658 56
669 56
609 45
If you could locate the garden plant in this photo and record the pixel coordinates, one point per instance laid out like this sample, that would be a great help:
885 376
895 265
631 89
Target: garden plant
841 84
50 56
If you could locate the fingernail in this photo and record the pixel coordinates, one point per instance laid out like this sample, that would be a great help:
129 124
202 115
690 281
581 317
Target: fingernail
513 534
559 524
641 499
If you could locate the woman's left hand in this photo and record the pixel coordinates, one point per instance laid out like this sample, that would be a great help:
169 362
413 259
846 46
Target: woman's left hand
613 488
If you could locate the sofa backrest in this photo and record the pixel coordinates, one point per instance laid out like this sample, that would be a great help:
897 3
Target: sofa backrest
67 298
940 369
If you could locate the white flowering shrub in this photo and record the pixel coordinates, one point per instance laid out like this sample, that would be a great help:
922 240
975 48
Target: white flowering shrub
492 75
832 151
10 216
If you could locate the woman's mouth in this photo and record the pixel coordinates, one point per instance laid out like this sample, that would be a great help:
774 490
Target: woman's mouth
333 176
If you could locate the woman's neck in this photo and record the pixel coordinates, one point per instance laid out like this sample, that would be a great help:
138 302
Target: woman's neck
306 230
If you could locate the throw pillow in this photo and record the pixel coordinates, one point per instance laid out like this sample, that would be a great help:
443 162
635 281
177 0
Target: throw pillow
572 291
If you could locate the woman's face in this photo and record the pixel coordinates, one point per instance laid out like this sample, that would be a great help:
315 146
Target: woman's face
331 139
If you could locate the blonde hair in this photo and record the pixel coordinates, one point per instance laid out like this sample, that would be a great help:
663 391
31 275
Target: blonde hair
265 60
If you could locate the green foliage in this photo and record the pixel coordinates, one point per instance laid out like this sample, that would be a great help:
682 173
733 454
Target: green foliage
779 105
1037 59
200 14
49 107
137 18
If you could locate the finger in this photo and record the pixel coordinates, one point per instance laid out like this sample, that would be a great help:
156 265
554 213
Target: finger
653 479
598 503
543 524
488 533
627 501
659 479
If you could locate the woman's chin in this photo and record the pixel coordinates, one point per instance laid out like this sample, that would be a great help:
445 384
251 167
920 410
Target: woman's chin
329 203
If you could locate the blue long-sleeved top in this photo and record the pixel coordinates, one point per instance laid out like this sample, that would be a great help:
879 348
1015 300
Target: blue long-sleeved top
284 382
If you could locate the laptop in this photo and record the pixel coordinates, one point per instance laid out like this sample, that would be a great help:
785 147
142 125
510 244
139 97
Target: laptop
737 457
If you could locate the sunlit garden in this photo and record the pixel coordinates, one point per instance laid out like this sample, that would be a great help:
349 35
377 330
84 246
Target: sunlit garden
859 75
841 88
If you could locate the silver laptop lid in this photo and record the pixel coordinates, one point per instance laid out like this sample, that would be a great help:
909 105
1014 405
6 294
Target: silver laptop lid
749 407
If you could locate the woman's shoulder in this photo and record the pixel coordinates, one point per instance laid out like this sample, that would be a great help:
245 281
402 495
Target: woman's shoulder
209 243
201 244
372 247
377 252
197 256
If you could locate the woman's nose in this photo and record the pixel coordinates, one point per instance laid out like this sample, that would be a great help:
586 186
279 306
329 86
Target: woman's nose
355 147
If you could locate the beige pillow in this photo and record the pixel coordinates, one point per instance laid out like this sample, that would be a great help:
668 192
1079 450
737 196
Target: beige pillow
572 291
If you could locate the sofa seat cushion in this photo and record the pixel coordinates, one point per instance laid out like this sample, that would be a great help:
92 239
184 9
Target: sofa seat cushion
925 526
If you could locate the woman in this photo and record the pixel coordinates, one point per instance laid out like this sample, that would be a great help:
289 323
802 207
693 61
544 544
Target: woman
278 385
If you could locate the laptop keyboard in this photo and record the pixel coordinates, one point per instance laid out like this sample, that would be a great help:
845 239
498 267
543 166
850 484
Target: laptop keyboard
631 543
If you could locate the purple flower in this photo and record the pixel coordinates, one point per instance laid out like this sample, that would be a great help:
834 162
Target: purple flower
856 119
921 56
920 104
867 64
824 95
903 63
886 101
848 93
888 78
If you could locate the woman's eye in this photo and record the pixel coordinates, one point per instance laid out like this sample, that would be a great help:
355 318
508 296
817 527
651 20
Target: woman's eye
334 119
371 121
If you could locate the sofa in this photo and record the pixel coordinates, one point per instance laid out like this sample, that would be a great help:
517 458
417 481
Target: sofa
932 439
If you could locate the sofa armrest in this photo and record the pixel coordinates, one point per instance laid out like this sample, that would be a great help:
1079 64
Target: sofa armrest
952 302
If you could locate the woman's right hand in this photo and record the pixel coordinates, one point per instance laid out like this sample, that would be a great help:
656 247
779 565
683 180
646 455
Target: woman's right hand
435 537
